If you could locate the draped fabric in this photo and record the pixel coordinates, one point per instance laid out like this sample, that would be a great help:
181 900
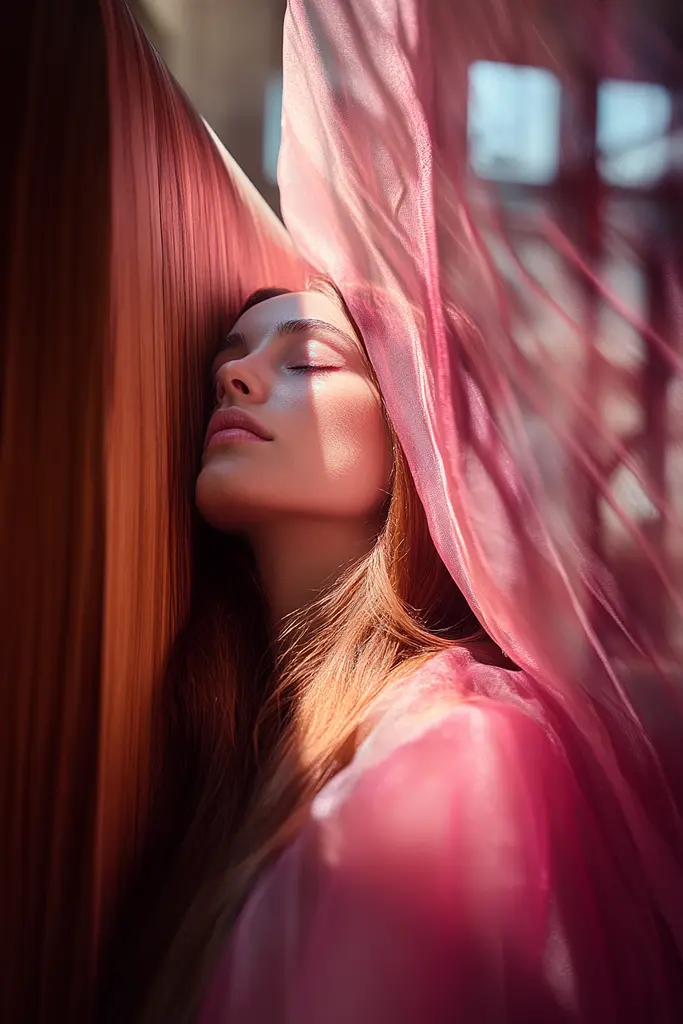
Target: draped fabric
525 333
525 330
523 316
456 870
516 857
129 242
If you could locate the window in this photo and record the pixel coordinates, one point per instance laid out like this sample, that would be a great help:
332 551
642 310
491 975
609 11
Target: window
513 123
634 120
514 127
272 126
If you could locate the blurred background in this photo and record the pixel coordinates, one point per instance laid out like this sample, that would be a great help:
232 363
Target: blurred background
227 56
538 140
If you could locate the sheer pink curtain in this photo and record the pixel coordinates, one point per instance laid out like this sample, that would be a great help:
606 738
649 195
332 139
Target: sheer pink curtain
524 321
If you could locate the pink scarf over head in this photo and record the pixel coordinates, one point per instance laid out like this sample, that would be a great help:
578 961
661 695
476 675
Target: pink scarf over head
525 328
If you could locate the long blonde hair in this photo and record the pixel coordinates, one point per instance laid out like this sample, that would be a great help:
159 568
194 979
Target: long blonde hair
268 732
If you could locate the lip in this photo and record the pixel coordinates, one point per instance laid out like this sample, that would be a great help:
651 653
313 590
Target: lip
238 423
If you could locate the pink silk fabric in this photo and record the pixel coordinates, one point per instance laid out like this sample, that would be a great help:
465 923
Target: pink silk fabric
521 335
454 872
520 858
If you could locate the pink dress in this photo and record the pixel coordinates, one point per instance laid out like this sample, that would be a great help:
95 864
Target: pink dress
454 872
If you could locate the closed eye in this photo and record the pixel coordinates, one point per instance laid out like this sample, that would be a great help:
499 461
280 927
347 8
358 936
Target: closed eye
311 368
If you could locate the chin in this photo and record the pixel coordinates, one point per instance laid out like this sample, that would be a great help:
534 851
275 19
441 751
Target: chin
225 506
213 500
215 504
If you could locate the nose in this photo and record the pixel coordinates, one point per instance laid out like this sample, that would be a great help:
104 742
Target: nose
241 377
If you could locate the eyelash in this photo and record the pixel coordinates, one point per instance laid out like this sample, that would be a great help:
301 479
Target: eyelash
310 368
300 370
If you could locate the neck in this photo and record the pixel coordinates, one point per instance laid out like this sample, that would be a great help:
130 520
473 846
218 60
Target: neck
297 558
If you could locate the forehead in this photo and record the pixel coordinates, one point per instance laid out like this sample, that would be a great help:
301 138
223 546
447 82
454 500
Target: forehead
262 318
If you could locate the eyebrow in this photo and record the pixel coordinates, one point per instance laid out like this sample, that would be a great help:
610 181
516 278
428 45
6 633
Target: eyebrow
290 327
307 326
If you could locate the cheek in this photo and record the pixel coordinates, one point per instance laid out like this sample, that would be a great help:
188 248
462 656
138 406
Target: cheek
354 440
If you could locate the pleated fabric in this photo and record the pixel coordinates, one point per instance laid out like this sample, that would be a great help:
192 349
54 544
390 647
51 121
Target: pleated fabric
130 239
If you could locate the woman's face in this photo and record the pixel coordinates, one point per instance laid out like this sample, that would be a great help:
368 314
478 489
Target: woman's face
293 371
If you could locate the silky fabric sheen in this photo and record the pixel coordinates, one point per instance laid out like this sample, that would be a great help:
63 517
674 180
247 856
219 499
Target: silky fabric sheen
456 870
521 859
130 243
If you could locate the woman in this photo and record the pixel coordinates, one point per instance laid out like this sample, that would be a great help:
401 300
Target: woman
415 836
346 593
473 842
409 828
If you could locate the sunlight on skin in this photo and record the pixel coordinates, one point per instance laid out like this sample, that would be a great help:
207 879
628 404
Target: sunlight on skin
308 499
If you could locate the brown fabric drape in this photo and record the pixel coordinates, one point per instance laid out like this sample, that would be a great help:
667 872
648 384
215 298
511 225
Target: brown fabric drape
129 240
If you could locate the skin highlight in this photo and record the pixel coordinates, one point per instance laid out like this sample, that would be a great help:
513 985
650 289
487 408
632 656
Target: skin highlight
322 588
311 499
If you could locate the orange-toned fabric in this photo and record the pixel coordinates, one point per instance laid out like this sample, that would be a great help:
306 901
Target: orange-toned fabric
129 241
